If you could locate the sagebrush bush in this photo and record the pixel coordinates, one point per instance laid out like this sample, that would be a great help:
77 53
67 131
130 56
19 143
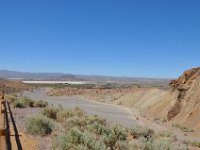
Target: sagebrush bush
170 136
126 145
40 104
78 112
12 98
196 144
61 142
182 128
139 131
50 112
23 102
65 114
19 104
115 134
163 145
95 119
98 129
74 122
39 125
76 138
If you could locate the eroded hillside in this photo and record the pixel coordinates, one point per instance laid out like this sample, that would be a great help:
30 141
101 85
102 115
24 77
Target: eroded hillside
180 103
188 100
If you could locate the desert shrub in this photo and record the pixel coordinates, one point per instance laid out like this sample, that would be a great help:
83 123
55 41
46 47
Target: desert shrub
12 98
65 114
116 133
50 112
125 145
98 129
145 144
119 132
182 128
19 104
139 131
95 119
121 145
91 142
78 112
196 144
60 142
80 147
40 104
164 145
167 135
22 102
39 125
78 140
74 122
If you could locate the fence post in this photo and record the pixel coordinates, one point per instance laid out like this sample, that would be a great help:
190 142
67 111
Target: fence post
2 123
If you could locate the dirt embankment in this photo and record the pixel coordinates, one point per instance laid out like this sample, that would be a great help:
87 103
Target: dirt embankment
153 101
9 86
178 104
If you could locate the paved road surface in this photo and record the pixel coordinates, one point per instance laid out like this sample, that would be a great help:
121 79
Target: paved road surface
113 113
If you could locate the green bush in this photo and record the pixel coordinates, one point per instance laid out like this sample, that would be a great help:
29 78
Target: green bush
61 142
95 119
182 128
74 122
98 129
19 104
163 145
40 104
78 140
139 131
78 112
167 135
196 144
12 98
39 125
23 102
125 145
115 134
50 112
65 114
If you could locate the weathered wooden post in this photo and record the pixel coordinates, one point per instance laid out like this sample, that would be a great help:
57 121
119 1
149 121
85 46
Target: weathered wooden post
2 123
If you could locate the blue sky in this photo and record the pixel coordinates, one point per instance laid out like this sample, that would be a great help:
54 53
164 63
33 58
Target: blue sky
139 38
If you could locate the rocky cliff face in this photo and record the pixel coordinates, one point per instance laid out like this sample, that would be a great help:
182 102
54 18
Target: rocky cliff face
187 79
186 108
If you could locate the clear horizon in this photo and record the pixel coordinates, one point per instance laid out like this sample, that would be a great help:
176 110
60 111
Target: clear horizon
150 39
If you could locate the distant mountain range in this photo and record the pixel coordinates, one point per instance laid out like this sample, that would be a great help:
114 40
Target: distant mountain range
70 77
36 76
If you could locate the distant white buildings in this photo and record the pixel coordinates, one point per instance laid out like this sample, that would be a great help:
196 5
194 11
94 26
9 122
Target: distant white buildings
56 82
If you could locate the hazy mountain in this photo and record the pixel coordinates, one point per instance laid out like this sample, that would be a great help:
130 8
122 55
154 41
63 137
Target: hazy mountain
70 77
36 76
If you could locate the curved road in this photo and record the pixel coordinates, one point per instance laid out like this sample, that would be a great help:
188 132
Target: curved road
113 113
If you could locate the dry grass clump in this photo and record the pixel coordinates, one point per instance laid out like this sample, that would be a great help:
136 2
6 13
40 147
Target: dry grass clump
39 125
182 128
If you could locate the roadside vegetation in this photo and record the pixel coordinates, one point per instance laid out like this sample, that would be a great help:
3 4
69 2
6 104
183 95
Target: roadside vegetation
182 128
24 102
73 129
